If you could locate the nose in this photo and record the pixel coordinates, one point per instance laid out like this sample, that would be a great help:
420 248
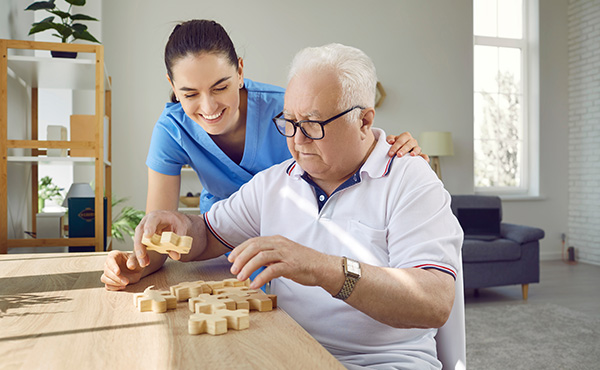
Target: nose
208 104
300 138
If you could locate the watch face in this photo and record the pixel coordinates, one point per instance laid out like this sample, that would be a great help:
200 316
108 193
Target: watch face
353 267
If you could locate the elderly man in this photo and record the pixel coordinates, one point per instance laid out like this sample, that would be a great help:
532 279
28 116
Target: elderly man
362 249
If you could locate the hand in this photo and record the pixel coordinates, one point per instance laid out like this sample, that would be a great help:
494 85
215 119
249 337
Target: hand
155 223
281 257
405 143
120 269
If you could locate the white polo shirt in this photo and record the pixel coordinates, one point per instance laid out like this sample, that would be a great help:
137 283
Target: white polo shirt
394 212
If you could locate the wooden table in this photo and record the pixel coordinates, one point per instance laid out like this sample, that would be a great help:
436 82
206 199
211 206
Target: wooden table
56 314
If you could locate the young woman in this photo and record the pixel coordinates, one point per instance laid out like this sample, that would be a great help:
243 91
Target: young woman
218 123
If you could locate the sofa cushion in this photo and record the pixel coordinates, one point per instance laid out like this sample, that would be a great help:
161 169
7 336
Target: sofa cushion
490 251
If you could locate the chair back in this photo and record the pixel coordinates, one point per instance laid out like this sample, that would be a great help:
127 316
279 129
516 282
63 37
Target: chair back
451 338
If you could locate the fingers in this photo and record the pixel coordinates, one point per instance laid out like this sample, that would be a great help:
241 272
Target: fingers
174 255
402 144
112 276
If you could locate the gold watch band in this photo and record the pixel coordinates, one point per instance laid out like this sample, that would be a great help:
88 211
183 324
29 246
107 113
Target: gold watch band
350 282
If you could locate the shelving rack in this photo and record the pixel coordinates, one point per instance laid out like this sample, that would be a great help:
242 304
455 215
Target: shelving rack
45 72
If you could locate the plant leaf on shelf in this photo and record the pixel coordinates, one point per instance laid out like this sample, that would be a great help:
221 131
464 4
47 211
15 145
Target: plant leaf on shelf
82 17
85 35
61 14
38 5
76 2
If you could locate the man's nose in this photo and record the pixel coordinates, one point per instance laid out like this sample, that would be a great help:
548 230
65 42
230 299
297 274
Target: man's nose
300 138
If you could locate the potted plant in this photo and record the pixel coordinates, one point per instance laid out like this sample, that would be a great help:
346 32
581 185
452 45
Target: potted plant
126 221
47 190
68 28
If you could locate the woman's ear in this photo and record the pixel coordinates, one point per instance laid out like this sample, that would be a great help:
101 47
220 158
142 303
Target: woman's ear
171 83
241 71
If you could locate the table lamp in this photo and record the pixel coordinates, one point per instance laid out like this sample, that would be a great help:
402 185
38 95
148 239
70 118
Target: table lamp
78 190
436 144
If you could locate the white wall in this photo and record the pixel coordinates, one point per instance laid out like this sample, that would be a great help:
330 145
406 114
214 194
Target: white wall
584 129
422 50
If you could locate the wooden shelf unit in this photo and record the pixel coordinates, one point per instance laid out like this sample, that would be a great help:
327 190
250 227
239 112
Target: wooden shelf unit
35 72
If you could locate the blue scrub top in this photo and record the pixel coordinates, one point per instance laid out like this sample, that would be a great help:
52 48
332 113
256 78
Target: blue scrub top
177 141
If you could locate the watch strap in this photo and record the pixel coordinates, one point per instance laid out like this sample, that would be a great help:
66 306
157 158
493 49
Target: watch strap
349 284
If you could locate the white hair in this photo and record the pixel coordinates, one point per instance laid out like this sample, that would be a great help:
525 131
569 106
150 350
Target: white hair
355 70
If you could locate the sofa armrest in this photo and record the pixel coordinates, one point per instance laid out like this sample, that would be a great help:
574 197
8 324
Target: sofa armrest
520 233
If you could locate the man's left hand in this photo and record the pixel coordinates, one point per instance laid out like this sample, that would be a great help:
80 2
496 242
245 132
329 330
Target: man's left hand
281 257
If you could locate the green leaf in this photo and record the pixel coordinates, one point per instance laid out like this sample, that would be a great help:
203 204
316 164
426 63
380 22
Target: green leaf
78 27
38 5
76 2
61 14
82 17
45 20
85 35
62 29
39 27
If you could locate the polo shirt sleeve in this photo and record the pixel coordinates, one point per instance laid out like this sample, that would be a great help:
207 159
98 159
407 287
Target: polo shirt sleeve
237 218
166 154
423 232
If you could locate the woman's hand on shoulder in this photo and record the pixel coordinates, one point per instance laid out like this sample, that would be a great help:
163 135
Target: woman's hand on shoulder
405 144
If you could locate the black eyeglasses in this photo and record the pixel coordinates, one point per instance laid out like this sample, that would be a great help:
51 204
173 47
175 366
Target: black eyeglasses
311 129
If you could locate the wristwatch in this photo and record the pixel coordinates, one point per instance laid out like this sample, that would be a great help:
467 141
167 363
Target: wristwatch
353 274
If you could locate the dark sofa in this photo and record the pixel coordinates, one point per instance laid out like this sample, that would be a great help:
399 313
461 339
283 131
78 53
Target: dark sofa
511 258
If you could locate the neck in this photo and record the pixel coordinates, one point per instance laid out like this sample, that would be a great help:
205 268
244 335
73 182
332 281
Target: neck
329 186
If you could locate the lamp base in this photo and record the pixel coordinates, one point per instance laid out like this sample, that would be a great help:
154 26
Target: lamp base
435 165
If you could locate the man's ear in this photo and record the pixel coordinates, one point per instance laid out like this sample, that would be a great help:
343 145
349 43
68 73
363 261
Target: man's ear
368 117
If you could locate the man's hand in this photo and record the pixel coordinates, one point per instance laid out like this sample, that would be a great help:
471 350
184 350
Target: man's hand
120 269
282 257
405 143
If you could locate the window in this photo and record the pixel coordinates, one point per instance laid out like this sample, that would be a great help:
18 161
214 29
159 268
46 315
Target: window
502 151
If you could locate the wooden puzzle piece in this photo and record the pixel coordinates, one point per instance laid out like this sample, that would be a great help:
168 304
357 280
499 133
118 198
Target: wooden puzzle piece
190 289
207 303
218 322
168 241
232 290
154 300
257 299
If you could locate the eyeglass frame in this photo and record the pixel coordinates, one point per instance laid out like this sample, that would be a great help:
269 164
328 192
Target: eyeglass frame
321 123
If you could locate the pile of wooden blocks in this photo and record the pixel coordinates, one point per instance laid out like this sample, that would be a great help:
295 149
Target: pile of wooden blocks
215 305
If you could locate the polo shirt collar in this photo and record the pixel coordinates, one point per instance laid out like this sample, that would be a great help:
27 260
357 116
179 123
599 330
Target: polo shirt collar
377 165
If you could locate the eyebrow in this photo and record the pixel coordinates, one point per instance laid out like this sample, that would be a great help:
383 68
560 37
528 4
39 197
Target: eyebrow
308 115
183 88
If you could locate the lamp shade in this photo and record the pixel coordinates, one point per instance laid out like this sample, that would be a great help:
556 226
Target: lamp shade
78 190
436 143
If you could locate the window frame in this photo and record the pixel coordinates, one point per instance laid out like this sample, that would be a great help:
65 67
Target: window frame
528 45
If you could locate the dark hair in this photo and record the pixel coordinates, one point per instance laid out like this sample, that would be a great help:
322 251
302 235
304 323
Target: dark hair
194 37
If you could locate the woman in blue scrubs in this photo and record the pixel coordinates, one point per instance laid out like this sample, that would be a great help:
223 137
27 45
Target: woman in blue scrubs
218 123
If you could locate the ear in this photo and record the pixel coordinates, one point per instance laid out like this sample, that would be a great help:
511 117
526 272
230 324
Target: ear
368 117
171 83
241 70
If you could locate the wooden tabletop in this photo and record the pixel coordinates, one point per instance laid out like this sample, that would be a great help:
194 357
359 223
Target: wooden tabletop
56 314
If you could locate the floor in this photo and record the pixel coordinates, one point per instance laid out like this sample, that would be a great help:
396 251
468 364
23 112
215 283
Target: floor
576 287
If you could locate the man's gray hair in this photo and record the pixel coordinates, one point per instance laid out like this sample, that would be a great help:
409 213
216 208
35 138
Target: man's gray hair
355 71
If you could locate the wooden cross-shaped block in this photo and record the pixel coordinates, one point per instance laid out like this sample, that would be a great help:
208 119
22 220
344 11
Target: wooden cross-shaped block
190 289
154 300
168 241
218 322
256 299
207 303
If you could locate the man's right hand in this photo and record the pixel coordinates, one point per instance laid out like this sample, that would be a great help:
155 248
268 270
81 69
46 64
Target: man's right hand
120 269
